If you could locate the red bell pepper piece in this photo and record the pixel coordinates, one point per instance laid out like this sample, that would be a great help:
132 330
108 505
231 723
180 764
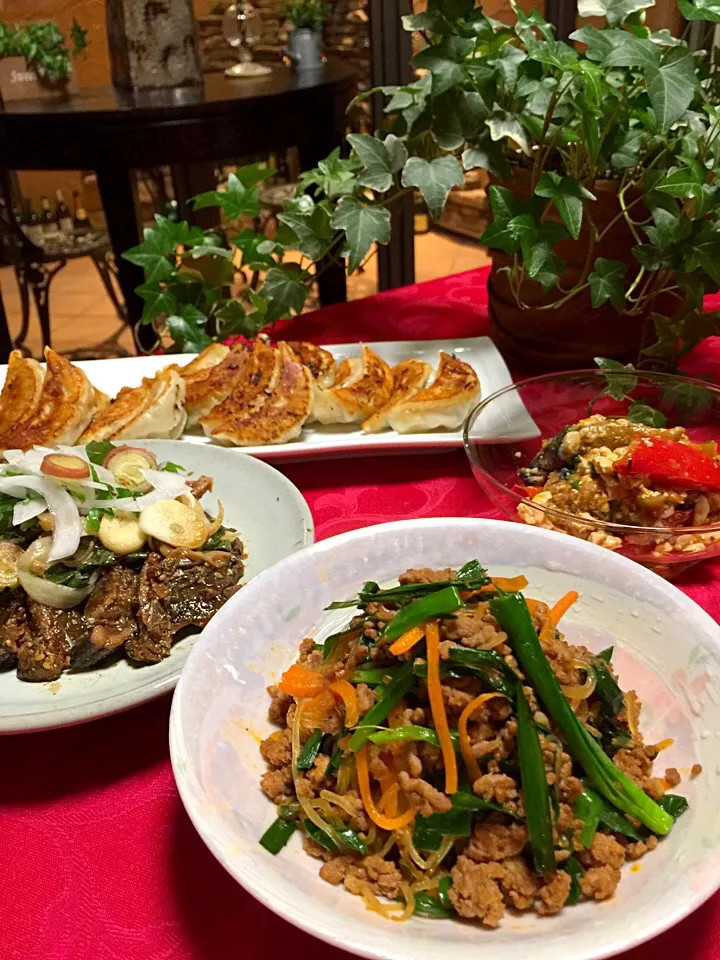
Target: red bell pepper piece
671 464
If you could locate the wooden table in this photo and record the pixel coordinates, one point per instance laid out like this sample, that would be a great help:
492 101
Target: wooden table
114 131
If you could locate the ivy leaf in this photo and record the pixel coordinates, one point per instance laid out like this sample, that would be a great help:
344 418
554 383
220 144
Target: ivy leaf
508 62
377 170
237 201
252 174
430 20
669 227
248 242
445 61
233 319
434 180
606 283
284 292
503 124
700 10
487 156
704 253
553 53
363 226
187 328
397 151
615 47
643 413
499 237
688 399
526 22
158 301
312 229
671 86
457 115
593 82
568 196
618 383
682 183
156 265
614 11
626 153
210 250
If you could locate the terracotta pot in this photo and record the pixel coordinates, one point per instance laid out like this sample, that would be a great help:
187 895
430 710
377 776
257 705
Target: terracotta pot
576 332
17 82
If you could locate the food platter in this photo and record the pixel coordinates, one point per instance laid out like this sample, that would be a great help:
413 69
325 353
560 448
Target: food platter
319 440
273 520
665 646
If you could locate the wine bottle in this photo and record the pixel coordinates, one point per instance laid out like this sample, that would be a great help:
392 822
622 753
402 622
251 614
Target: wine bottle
81 221
62 215
420 215
47 219
31 222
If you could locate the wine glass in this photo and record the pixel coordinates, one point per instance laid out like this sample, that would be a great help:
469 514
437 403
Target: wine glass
242 30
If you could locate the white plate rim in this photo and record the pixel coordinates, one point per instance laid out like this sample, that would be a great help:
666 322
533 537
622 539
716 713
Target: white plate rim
298 919
482 354
145 690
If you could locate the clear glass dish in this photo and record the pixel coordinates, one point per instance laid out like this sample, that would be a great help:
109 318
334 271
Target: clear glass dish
557 400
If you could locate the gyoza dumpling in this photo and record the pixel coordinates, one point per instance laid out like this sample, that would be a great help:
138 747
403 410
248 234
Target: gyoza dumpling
361 387
444 404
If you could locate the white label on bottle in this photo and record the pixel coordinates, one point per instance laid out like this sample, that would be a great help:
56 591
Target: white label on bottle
66 225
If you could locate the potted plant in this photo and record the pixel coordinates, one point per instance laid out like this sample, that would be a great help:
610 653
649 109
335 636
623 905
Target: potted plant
605 211
36 58
305 41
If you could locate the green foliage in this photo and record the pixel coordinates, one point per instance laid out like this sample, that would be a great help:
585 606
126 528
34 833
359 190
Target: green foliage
548 119
305 13
43 47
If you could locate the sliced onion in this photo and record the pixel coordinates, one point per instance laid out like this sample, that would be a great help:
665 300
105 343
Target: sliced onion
68 524
44 591
27 510
586 689
168 486
52 594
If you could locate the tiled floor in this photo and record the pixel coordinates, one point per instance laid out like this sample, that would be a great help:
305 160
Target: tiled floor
83 316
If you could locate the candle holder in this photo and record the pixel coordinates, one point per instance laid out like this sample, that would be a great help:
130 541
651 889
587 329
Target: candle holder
242 30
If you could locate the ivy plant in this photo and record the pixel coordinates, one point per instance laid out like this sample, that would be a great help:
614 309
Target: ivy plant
309 14
548 120
43 47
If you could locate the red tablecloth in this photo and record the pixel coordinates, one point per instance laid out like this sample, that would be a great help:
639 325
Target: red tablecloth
98 860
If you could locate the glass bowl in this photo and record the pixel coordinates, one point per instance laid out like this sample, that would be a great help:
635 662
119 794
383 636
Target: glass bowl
500 439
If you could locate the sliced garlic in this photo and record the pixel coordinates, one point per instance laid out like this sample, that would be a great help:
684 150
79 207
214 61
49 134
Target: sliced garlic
174 523
122 535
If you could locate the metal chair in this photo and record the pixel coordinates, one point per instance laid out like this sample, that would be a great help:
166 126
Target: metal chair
35 265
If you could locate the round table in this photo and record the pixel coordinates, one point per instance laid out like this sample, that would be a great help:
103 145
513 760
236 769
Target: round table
115 131
99 860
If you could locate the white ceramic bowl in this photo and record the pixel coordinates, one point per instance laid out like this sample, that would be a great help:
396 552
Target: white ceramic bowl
272 519
667 649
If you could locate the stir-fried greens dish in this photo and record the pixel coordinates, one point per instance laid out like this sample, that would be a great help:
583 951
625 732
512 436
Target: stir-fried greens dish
448 753
620 472
102 549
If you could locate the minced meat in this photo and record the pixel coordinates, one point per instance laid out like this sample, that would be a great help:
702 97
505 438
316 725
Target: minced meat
423 796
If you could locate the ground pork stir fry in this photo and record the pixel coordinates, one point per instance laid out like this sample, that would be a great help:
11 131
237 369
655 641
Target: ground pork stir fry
613 470
448 753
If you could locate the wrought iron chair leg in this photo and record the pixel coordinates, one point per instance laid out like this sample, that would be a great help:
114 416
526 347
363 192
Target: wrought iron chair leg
102 263
23 287
40 276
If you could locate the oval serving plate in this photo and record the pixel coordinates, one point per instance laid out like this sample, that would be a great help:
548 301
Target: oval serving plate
666 648
273 520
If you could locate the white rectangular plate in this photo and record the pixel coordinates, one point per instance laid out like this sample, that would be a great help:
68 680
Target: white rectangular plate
318 440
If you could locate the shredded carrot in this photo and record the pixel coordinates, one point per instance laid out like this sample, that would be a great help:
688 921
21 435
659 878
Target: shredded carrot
562 606
346 691
438 707
317 710
532 605
300 682
507 584
407 640
664 744
465 746
389 800
385 823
